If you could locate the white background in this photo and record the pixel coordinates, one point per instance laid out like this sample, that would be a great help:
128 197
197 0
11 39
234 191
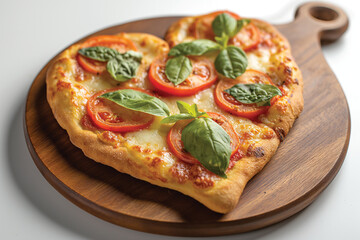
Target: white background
32 32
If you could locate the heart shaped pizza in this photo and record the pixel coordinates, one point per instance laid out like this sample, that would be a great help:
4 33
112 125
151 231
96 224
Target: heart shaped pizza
200 112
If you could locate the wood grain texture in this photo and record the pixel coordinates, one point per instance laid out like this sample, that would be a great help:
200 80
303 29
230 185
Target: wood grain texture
303 166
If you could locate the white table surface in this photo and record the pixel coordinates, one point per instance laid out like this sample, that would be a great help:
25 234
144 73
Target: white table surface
32 32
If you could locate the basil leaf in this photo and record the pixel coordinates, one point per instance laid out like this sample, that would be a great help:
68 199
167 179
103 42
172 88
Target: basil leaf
189 109
224 24
99 53
258 93
194 48
240 24
124 66
177 69
231 62
138 101
177 117
209 143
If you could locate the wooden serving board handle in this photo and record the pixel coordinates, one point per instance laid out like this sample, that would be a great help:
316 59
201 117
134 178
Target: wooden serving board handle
317 19
304 165
327 19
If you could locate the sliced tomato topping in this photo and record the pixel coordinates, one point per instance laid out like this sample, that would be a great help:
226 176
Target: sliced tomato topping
203 76
230 104
119 43
248 38
176 145
108 115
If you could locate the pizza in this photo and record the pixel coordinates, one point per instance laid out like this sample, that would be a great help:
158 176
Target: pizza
200 112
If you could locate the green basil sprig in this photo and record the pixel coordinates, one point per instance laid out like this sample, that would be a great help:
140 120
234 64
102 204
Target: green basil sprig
203 138
225 27
187 111
258 93
121 66
138 101
231 61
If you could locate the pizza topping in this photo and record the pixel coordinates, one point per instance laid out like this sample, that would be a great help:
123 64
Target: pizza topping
124 110
236 97
194 48
225 27
178 69
257 93
119 43
202 76
121 66
124 66
230 62
247 38
138 101
209 143
99 53
187 111
205 138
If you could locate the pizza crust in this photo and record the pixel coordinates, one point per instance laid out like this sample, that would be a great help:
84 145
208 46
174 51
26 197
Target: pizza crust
68 92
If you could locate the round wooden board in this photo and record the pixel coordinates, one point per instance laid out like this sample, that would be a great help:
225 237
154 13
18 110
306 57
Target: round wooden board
303 166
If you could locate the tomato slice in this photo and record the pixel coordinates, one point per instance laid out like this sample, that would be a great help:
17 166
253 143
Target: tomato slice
109 116
203 76
248 38
230 104
119 43
176 145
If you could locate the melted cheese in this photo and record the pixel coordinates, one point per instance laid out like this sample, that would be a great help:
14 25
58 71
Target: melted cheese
259 60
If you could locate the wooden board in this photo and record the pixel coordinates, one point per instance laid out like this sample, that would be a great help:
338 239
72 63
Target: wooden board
303 166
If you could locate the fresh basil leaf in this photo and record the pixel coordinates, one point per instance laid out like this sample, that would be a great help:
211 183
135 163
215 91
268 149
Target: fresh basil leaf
258 93
240 24
177 69
231 62
184 107
194 48
209 143
138 101
224 24
124 66
177 117
99 53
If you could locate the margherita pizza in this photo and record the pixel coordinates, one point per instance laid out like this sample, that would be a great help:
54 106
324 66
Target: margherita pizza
200 113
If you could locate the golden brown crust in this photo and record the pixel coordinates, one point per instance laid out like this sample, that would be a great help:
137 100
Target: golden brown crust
179 31
69 88
282 115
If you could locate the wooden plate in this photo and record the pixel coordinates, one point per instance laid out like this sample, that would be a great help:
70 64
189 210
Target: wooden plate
303 166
